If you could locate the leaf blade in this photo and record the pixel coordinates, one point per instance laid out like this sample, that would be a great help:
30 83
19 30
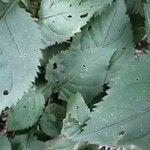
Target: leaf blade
91 54
19 55
126 104
30 106
60 20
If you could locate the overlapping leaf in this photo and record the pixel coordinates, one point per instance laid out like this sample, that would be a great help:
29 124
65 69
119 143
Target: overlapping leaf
4 143
135 6
60 20
76 116
6 6
123 117
27 111
83 67
51 121
147 16
20 44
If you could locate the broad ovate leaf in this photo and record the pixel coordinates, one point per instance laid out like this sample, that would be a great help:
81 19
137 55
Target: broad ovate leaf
4 143
124 115
83 68
30 107
20 44
76 116
78 109
50 51
60 20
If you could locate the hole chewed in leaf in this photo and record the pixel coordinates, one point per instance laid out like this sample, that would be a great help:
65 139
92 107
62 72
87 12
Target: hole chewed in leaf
5 92
69 16
89 28
84 15
54 65
121 133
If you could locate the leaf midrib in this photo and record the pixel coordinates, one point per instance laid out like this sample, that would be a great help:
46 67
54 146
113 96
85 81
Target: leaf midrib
120 122
9 9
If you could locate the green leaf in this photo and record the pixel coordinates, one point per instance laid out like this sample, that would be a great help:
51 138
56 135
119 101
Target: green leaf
51 121
78 109
4 143
30 107
123 117
147 18
60 20
6 6
111 30
83 77
26 142
20 44
76 116
83 68
51 51
135 6
44 88
5 1
60 143
71 128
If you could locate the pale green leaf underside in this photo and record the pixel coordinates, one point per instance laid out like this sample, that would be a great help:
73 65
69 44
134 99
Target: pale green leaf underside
4 143
83 68
60 20
30 107
77 114
71 127
83 76
20 43
123 117
78 109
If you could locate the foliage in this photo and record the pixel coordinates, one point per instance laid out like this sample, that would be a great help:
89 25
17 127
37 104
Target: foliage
74 75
